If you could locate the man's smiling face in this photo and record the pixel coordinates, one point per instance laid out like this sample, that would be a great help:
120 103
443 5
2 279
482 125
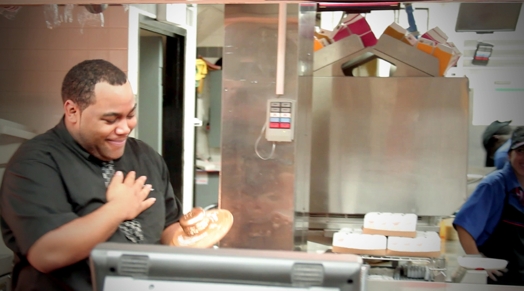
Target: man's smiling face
104 125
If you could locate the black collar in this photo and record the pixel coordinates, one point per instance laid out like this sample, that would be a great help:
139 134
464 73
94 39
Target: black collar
62 132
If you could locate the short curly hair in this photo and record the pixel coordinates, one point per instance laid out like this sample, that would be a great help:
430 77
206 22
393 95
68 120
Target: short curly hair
79 83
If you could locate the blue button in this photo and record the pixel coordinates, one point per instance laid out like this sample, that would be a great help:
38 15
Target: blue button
288 120
274 119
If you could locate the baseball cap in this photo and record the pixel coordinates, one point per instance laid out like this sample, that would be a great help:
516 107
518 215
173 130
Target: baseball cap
491 130
517 138
494 128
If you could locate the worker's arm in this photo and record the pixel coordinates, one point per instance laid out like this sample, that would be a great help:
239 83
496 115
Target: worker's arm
470 248
73 241
467 241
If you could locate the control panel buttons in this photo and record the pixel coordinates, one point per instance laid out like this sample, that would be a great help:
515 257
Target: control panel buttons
280 120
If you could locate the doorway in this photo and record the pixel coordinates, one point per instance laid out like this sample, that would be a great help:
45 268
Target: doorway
161 95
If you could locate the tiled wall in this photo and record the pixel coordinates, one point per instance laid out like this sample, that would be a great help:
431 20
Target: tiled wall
34 60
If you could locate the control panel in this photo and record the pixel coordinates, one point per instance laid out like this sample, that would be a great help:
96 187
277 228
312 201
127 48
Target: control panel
280 120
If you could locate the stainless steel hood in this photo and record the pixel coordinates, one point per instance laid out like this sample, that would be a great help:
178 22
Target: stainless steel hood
396 144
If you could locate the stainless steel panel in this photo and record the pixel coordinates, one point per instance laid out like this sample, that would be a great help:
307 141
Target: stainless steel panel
303 124
332 60
389 144
262 194
336 69
408 55
336 51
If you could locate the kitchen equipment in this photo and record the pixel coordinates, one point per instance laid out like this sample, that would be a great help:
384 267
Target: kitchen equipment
134 267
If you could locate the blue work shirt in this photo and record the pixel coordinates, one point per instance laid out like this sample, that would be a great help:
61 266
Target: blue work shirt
482 211
501 155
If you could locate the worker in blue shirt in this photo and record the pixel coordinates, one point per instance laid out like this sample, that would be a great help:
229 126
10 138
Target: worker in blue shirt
496 141
491 222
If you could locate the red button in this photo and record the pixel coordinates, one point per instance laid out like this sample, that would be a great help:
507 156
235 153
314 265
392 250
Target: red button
274 125
285 125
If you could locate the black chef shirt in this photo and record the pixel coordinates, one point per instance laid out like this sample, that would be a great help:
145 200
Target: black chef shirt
51 180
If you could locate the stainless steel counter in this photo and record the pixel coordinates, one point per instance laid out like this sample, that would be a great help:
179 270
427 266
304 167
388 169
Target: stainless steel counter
451 250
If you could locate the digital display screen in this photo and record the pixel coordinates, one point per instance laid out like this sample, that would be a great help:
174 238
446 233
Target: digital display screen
487 17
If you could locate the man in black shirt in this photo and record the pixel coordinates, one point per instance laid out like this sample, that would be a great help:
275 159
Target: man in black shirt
59 198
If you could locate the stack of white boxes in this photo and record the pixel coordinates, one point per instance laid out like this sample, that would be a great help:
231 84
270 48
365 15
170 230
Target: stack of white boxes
388 234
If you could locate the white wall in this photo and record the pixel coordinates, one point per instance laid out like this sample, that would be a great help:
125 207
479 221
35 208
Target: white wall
505 65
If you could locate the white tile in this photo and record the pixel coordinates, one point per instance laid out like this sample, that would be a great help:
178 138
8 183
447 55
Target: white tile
116 16
77 56
57 60
26 38
32 82
118 38
7 81
30 17
99 54
77 39
98 38
8 36
119 58
17 38
9 59
59 38
33 60
55 79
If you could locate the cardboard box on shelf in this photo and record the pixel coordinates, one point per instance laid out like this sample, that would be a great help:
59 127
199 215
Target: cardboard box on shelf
435 34
398 32
408 55
324 36
439 37
456 54
444 55
434 43
317 44
426 45
355 24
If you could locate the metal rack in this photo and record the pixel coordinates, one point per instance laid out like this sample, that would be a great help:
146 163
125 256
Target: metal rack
435 271
398 259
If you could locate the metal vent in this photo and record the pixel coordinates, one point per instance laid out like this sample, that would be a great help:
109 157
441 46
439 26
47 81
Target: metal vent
133 265
305 275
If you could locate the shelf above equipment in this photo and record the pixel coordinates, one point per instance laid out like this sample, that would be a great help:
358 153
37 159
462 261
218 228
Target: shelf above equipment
12 132
11 137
